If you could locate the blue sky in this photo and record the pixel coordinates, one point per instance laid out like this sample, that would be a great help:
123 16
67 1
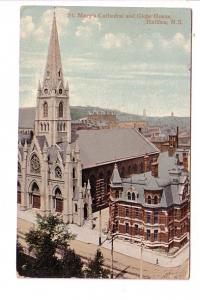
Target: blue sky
118 63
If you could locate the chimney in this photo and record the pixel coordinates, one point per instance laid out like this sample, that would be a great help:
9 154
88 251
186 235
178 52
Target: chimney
146 163
154 169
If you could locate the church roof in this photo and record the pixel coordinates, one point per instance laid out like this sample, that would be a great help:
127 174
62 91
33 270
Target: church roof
103 146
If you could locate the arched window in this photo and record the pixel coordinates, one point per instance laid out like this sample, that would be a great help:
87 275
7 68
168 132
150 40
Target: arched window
74 173
76 207
45 109
155 199
58 172
18 193
41 126
58 201
45 127
35 164
117 194
35 196
133 196
149 199
129 195
60 110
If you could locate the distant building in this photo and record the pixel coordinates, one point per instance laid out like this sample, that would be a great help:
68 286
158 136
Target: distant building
102 119
152 207
140 125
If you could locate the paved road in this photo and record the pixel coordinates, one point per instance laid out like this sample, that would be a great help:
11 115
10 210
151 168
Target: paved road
129 264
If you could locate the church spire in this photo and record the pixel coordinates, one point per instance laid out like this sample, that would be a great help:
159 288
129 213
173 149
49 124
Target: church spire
53 75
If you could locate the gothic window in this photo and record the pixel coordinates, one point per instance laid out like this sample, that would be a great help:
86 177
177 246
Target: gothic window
59 73
45 127
35 196
60 110
45 109
19 168
60 91
41 126
18 193
74 173
76 208
58 200
58 172
35 164
117 194
129 196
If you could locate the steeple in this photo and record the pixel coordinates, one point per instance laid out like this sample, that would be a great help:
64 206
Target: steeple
53 75
52 118
115 178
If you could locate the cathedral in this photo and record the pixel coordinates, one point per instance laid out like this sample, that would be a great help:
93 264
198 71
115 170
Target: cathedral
59 173
49 167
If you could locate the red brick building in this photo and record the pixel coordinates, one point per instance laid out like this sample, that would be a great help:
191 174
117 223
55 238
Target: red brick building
153 206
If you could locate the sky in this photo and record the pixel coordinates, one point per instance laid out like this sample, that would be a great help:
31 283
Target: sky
116 58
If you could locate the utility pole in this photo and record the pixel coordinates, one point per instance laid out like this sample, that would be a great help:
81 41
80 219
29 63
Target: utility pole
100 227
141 260
112 256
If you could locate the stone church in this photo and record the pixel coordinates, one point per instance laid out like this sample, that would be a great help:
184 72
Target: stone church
60 173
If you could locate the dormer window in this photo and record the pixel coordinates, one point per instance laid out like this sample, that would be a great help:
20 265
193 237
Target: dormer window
133 196
129 196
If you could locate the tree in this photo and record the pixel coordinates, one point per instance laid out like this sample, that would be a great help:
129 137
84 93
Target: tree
49 237
95 267
72 265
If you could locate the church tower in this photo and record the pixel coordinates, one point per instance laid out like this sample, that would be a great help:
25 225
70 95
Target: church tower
52 117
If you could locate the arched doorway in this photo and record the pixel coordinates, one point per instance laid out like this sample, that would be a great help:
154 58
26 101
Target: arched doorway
58 201
85 211
35 196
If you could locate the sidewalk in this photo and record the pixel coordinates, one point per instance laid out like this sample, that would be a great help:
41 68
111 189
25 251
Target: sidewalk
87 235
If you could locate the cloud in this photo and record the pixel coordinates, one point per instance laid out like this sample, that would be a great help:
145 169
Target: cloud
41 30
177 42
27 26
88 27
111 40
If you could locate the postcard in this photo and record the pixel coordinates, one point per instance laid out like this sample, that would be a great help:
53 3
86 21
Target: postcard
103 184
